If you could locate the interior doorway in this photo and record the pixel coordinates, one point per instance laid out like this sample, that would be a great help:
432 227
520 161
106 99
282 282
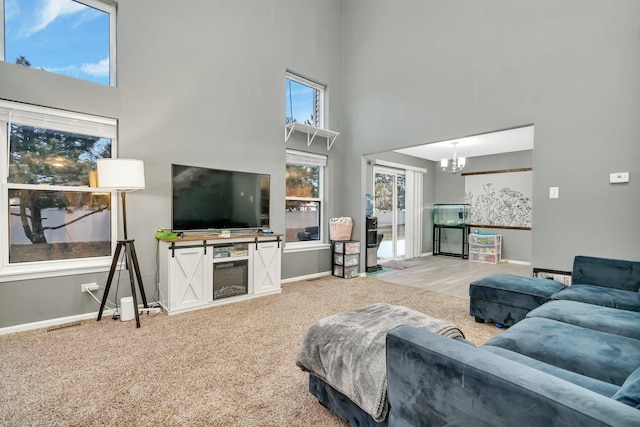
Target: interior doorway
389 190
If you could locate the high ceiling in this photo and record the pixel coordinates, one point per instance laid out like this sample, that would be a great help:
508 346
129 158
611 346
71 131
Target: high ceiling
505 141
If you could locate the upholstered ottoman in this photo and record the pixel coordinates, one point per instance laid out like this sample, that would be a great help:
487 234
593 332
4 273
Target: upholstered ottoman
506 298
345 356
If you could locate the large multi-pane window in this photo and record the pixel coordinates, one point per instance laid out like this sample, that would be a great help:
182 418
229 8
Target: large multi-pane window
75 38
304 101
53 216
304 198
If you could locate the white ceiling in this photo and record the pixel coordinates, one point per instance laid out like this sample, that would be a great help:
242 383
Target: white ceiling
505 141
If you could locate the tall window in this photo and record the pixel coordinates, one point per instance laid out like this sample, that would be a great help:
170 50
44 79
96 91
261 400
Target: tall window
304 198
53 217
71 37
304 101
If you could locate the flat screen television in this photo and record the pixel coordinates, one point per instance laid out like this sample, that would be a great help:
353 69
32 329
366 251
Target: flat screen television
210 199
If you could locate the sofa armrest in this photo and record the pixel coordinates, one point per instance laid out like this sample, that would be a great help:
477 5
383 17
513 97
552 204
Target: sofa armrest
433 380
606 272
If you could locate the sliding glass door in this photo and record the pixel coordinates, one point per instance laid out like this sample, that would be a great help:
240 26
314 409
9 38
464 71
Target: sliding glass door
389 206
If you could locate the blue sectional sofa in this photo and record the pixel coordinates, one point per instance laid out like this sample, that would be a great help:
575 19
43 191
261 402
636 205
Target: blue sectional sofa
572 361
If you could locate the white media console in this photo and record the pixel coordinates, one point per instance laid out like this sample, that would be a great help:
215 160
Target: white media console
201 271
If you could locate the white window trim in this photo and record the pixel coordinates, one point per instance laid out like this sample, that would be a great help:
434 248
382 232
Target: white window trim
2 30
316 246
322 123
63 120
319 160
107 6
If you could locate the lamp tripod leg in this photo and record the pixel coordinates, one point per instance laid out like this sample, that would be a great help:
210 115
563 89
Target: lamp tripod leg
131 260
112 271
132 281
136 269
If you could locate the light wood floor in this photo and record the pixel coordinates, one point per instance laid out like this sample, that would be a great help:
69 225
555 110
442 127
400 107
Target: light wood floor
448 275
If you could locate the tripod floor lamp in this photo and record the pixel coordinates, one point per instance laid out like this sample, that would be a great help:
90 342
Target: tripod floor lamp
123 175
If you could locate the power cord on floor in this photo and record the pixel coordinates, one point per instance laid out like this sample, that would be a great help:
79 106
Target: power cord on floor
114 305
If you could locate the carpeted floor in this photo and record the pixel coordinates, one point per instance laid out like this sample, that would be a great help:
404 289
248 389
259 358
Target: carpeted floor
230 365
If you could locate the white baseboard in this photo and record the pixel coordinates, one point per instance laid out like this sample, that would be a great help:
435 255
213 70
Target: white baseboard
53 322
512 261
506 261
306 277
106 314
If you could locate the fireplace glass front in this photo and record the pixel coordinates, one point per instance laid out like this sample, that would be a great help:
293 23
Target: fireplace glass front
230 279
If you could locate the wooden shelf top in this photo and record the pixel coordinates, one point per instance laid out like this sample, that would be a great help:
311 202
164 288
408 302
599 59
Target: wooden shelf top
246 237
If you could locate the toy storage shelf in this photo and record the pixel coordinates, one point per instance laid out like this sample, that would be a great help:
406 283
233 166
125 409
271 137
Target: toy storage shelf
485 248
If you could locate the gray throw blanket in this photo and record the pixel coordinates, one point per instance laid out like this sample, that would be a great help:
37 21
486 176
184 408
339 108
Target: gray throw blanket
347 351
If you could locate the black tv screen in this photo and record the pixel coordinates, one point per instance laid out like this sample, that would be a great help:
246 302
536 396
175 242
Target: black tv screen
209 199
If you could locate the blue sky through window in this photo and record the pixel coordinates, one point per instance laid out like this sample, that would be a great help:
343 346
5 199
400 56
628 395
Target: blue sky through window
300 101
60 36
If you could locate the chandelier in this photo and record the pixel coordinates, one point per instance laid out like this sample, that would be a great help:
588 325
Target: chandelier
457 163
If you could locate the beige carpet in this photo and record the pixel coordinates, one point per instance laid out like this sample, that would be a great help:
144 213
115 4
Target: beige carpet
230 365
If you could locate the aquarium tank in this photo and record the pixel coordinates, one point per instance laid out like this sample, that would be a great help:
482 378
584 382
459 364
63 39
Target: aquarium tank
451 214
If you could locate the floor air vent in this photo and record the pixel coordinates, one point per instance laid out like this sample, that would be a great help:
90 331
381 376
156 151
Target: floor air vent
65 326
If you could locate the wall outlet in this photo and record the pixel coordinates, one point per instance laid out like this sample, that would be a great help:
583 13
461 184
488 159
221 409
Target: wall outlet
89 287
554 192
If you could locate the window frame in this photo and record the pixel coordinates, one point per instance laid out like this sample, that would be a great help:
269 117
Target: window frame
314 160
108 6
319 106
66 121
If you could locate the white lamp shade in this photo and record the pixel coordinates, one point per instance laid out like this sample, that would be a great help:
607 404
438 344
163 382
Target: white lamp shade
121 174
461 162
444 163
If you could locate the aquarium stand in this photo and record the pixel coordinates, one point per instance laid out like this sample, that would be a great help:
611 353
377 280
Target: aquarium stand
437 240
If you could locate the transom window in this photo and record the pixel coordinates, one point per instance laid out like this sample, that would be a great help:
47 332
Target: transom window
304 101
75 38
53 217
304 198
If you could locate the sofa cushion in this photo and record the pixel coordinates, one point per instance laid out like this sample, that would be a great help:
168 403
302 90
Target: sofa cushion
597 295
612 273
435 381
605 319
507 298
600 387
606 357
517 291
629 393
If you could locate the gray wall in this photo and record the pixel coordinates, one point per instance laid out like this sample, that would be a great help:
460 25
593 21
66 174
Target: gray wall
426 70
444 187
204 85
200 85
450 189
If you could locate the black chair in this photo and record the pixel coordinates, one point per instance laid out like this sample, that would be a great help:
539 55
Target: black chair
309 233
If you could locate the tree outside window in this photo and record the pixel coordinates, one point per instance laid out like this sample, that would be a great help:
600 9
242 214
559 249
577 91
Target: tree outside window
53 208
304 181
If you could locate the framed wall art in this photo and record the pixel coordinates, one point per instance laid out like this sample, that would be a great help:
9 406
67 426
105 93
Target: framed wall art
500 199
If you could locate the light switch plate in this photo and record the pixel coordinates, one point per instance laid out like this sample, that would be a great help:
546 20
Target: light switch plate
554 192
618 177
